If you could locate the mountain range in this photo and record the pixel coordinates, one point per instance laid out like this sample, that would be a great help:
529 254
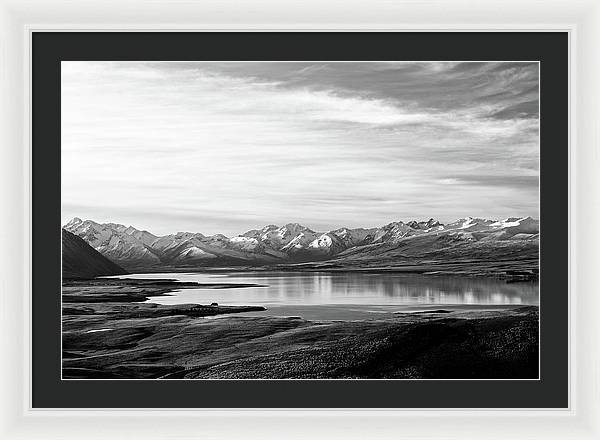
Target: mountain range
413 242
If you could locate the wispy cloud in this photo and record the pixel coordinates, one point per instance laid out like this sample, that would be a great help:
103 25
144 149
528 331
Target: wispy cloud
223 147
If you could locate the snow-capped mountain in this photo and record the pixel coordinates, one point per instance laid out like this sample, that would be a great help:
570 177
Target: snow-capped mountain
394 232
431 223
466 240
293 242
512 228
277 238
354 237
119 243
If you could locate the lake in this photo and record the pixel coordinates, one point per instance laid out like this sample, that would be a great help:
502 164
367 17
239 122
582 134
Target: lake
347 295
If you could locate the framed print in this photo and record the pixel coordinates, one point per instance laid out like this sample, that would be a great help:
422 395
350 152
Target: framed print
327 203
320 228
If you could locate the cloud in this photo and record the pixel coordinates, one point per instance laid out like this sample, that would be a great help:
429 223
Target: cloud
521 182
222 147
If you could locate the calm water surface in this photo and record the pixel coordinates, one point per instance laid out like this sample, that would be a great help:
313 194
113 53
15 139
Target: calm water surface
337 295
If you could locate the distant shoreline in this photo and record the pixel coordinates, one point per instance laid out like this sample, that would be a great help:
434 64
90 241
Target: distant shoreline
510 269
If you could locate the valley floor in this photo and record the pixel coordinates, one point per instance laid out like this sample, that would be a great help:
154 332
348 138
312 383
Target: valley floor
108 332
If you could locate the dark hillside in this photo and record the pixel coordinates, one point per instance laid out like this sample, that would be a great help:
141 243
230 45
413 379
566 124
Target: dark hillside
80 260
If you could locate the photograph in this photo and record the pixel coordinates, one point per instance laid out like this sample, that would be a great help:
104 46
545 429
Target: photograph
300 220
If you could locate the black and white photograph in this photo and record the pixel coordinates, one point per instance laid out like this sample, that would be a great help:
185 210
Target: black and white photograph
280 220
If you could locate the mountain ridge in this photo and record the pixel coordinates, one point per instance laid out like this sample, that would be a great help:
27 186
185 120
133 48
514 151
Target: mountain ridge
295 243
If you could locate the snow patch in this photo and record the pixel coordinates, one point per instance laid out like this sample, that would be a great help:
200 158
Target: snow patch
324 241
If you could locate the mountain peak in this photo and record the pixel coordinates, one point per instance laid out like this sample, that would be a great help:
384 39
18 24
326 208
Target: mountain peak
431 223
74 222
296 227
473 220
293 225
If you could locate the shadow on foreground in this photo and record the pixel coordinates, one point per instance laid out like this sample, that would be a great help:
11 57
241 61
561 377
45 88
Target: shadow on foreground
128 339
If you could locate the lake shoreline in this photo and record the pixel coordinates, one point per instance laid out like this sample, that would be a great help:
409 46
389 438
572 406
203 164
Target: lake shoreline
351 293
117 289
128 339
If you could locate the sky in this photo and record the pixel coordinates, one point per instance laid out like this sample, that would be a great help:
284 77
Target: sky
225 147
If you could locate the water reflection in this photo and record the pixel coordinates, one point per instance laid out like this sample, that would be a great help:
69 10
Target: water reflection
325 288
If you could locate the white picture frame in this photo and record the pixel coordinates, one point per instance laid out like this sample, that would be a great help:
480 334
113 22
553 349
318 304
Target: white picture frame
18 19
